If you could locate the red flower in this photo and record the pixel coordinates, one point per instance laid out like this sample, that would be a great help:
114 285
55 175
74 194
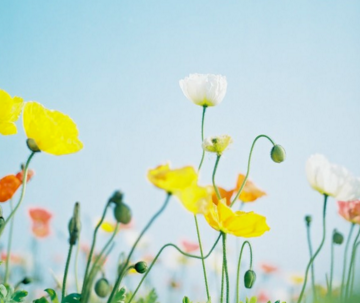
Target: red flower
8 187
40 222
350 211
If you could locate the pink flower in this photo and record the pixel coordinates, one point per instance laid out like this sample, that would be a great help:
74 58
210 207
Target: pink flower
189 246
350 211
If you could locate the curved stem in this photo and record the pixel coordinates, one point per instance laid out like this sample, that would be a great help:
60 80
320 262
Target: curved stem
213 177
317 251
202 259
345 258
66 272
23 189
92 247
226 269
7 264
202 136
180 251
352 260
238 268
118 281
249 163
311 254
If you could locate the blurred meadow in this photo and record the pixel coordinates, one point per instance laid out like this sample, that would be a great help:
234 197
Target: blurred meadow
293 73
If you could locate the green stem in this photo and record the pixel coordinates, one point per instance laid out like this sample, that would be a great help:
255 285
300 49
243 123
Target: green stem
66 272
76 265
249 163
311 255
331 268
352 260
92 248
202 259
202 136
238 268
9 245
213 177
317 251
22 192
222 282
345 258
180 251
118 281
226 269
353 275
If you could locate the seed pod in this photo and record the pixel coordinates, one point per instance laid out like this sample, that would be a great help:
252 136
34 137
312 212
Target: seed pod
308 220
75 225
31 144
122 213
141 267
117 197
338 238
249 278
102 288
278 153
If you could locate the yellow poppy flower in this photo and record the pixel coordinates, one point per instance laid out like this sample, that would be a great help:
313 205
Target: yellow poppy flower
10 110
239 223
108 227
52 131
195 199
250 191
172 180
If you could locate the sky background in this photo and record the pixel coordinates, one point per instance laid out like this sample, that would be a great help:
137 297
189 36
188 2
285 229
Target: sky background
293 73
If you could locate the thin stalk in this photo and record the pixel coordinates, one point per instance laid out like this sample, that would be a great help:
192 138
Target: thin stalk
7 264
331 268
353 275
23 189
317 251
76 265
121 274
311 255
351 267
249 164
345 258
222 282
213 177
238 268
179 250
226 269
202 136
202 259
66 272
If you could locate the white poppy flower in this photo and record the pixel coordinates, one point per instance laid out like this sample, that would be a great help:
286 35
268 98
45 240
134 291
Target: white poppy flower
217 144
204 89
331 179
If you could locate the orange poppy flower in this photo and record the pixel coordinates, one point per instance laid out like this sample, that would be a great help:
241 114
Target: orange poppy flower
40 222
20 175
250 191
268 268
227 194
8 187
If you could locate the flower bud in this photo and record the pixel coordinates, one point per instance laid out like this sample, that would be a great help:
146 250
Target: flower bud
2 223
117 197
338 238
141 267
75 225
249 278
26 280
31 144
308 220
102 288
278 153
186 300
122 213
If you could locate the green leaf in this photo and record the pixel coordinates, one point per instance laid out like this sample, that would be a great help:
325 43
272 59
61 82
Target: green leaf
52 295
41 300
19 296
151 297
3 291
72 298
119 296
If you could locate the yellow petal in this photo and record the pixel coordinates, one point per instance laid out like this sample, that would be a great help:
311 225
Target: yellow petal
10 109
224 211
108 227
195 199
53 131
247 225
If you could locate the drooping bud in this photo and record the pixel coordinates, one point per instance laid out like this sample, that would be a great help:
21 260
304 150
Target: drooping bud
102 288
278 153
26 280
186 300
338 238
141 267
308 220
117 197
75 225
249 278
31 144
122 213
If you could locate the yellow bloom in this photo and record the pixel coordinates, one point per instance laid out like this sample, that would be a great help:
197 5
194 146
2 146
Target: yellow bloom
172 180
217 144
10 110
195 199
108 227
250 191
53 132
297 279
239 223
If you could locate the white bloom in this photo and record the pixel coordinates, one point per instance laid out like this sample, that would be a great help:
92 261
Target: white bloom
331 179
204 89
217 144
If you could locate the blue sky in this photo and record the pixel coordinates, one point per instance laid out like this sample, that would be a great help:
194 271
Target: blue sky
293 71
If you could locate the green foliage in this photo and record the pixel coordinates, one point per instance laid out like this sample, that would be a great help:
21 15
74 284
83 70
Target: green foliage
251 300
72 298
52 295
7 294
187 300
120 296
151 297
